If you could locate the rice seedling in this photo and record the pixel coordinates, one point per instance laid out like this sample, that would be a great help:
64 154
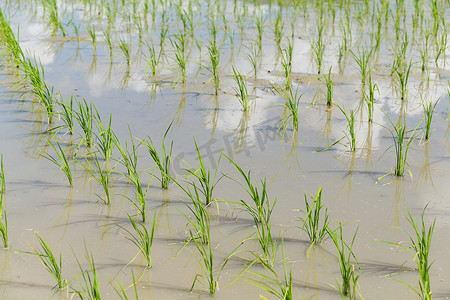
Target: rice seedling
278 30
401 145
291 103
4 229
386 10
163 35
332 9
108 41
214 57
142 239
351 127
138 23
103 177
53 266
125 48
61 27
328 81
179 44
111 14
46 98
204 246
163 162
252 57
66 113
423 51
105 137
280 289
400 53
312 218
293 23
349 279
61 161
259 26
261 213
346 36
200 220
435 9
363 61
85 118
76 30
153 58
420 246
286 63
397 18
207 264
370 97
93 35
206 180
190 23
34 72
129 161
401 149
403 77
54 17
182 17
441 43
377 36
318 46
213 30
13 49
89 279
428 111
241 90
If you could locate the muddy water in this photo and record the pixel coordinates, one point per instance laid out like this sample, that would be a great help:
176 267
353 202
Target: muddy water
73 220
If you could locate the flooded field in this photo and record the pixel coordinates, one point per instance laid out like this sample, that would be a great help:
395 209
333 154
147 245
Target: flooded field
229 149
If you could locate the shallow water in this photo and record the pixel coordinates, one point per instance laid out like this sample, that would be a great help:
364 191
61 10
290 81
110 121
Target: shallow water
73 220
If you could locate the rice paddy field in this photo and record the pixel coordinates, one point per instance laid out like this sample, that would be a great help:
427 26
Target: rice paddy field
241 149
